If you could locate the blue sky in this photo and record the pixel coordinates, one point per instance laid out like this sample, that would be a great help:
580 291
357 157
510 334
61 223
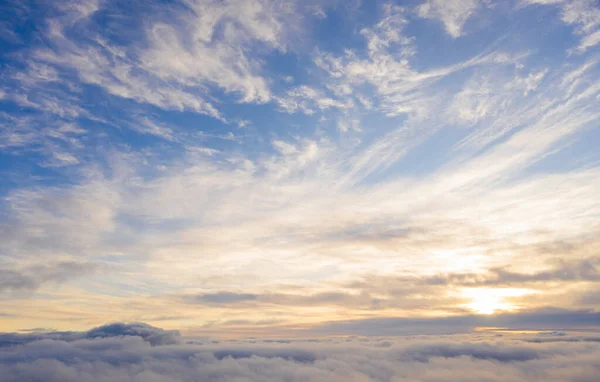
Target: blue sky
306 165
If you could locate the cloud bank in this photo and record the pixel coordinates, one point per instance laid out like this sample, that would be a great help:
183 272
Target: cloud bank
123 353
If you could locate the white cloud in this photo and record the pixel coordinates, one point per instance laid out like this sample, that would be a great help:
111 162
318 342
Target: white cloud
303 215
147 126
583 14
452 13
590 40
59 221
62 159
349 126
205 45
490 102
307 100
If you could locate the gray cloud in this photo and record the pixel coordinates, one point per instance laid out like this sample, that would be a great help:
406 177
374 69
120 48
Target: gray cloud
584 270
473 357
152 335
418 292
424 352
413 292
226 297
287 299
549 318
30 278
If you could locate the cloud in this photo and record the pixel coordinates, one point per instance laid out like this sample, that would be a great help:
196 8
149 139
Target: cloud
584 270
196 46
322 235
308 100
58 222
32 277
488 97
477 357
445 181
227 297
51 121
452 13
286 299
213 56
424 353
152 335
584 15
147 126
549 318
589 297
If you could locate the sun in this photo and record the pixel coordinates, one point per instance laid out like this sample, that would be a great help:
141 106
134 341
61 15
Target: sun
489 300
486 304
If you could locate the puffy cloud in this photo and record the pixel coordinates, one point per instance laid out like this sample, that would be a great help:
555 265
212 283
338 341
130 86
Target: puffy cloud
475 357
152 335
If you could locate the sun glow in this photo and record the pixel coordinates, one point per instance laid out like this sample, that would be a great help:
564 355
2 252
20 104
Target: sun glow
490 301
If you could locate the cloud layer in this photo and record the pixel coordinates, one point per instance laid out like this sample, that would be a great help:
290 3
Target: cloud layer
126 355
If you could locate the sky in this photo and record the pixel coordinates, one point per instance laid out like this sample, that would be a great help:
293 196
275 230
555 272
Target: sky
300 169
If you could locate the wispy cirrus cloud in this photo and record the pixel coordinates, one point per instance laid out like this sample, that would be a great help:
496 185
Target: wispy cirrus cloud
453 14
584 14
230 159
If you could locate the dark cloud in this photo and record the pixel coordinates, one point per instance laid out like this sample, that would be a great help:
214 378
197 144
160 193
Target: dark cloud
286 299
152 335
119 353
296 355
30 278
242 322
584 270
425 352
564 339
408 292
549 318
226 297
362 300
417 293
13 280
590 298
